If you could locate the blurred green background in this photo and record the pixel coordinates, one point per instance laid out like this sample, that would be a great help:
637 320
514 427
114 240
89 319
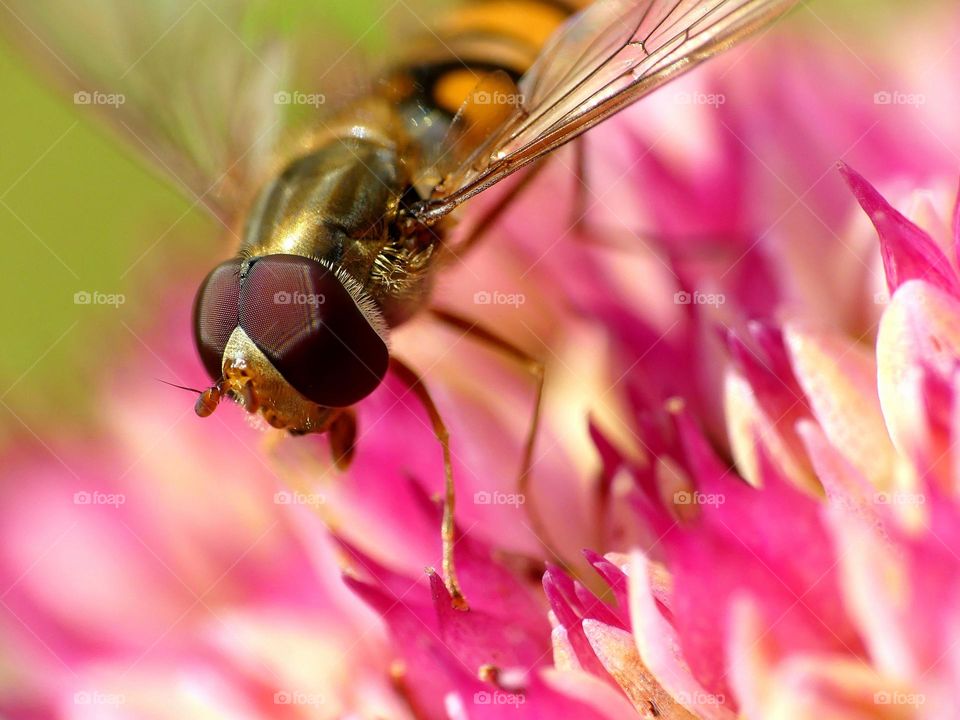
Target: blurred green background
72 207
80 212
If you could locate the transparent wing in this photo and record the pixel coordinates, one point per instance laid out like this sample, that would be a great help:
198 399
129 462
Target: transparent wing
201 88
603 59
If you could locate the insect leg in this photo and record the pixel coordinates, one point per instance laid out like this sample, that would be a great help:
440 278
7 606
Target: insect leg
535 367
588 233
480 228
578 211
414 383
343 438
581 188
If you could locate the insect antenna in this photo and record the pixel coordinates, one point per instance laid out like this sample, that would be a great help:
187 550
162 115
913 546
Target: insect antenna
180 387
207 400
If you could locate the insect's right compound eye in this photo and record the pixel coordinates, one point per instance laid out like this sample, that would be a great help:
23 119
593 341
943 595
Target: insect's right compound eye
216 314
308 325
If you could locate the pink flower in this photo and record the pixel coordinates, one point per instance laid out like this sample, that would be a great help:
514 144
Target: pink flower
759 596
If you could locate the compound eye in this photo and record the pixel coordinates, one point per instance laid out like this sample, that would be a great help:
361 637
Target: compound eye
216 314
308 325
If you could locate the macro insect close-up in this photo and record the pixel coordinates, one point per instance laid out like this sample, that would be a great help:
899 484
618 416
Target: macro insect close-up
548 358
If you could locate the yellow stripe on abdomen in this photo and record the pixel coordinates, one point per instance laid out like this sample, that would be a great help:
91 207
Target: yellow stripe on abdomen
530 21
472 41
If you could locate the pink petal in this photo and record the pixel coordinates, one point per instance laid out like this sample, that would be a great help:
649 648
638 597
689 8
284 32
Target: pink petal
478 638
429 669
751 431
746 541
578 695
659 647
956 228
875 586
617 580
847 490
838 376
551 694
919 341
807 686
569 612
766 366
618 654
908 252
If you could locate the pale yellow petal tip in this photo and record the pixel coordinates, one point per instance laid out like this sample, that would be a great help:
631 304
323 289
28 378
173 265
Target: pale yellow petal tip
617 652
564 656
839 377
675 405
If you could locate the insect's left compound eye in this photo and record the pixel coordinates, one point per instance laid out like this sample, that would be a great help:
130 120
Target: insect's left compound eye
216 314
308 325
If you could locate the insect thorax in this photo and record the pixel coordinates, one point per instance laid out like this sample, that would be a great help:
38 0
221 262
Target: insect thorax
340 203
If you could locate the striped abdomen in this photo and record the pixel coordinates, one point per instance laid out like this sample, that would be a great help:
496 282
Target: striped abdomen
475 39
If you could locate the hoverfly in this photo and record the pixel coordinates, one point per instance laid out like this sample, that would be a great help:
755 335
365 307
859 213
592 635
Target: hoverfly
339 243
